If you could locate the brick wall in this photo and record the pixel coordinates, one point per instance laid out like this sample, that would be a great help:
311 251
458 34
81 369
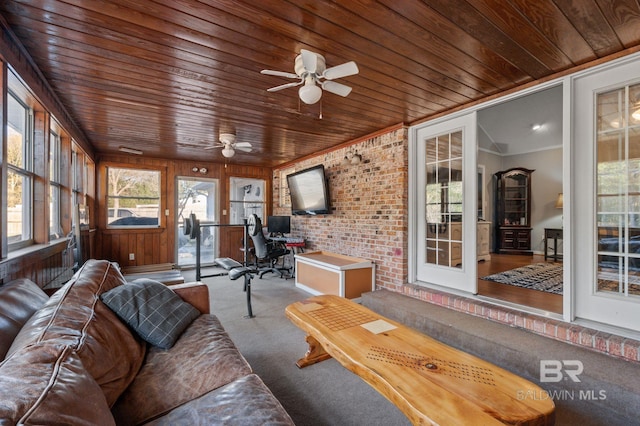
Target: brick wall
370 220
369 206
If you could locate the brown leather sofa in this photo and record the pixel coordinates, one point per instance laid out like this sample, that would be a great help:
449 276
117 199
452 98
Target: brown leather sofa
70 360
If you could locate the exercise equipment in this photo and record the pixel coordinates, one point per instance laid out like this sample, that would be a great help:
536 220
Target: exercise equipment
193 229
234 269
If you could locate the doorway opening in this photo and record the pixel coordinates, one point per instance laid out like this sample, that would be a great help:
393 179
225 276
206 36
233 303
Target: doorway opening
522 133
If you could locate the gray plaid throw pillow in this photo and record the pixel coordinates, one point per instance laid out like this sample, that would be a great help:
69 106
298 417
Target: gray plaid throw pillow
155 312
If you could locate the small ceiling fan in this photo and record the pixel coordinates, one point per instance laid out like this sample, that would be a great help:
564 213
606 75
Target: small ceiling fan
229 145
310 69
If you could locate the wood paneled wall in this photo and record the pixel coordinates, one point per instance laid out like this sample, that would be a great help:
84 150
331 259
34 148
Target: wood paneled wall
48 267
158 245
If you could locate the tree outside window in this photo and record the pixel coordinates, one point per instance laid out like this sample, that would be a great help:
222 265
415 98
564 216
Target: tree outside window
133 197
19 175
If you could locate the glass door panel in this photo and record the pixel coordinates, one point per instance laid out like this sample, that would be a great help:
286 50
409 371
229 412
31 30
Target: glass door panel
618 192
200 197
443 191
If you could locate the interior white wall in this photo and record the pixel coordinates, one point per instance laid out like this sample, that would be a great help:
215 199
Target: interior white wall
546 183
492 164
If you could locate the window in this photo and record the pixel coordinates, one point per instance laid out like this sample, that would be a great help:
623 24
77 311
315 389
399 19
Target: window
76 177
443 196
133 197
55 225
285 196
618 191
20 173
246 198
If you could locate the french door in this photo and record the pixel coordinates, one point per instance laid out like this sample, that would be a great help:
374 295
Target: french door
199 197
607 175
444 188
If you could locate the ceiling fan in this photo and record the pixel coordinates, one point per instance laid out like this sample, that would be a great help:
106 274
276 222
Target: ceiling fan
229 145
310 69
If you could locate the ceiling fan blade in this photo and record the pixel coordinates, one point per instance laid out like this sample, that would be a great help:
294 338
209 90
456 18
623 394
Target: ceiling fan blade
242 145
279 73
337 88
344 70
243 148
212 147
283 86
309 60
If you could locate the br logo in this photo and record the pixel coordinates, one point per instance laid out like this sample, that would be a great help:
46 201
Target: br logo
553 370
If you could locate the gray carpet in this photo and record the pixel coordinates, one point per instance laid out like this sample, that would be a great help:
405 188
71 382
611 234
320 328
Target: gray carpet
322 394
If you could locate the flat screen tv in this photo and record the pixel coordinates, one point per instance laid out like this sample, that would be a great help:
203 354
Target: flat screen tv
279 225
309 191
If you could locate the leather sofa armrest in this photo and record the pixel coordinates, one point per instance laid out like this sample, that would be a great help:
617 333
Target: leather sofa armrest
195 293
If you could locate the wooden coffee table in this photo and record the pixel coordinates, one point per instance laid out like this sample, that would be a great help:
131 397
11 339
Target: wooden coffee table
432 383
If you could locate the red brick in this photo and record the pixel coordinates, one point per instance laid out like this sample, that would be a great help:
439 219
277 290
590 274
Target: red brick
587 337
615 346
573 334
600 341
631 349
538 325
562 331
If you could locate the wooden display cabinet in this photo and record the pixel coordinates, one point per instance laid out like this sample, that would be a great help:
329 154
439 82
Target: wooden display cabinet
513 211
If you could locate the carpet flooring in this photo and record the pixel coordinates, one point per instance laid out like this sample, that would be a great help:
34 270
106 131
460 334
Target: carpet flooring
322 394
545 277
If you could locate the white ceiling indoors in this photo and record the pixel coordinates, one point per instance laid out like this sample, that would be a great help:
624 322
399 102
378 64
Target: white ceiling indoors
507 128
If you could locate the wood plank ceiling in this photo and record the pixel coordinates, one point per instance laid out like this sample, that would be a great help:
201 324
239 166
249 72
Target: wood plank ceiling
167 76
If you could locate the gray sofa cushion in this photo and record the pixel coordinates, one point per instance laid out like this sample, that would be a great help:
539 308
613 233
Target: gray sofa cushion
154 311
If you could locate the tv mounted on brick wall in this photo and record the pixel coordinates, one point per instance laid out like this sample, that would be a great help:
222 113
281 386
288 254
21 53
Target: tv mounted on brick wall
309 191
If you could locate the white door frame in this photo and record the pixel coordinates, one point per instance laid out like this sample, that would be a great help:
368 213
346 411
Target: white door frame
465 278
600 307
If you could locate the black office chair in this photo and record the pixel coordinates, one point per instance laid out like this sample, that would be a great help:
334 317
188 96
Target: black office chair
267 253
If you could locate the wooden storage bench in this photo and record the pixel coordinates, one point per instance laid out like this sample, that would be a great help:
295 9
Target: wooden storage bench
324 272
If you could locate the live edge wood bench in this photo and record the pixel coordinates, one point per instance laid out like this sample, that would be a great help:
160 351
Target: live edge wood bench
431 383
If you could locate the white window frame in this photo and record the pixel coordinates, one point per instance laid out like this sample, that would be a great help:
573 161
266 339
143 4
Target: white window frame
55 186
158 199
25 172
243 205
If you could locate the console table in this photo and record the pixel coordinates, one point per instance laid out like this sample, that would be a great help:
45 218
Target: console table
430 382
554 234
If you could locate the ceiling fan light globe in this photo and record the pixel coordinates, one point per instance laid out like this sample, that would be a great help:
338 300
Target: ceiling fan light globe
228 152
310 93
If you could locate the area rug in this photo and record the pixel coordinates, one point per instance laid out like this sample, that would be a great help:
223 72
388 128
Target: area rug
545 277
